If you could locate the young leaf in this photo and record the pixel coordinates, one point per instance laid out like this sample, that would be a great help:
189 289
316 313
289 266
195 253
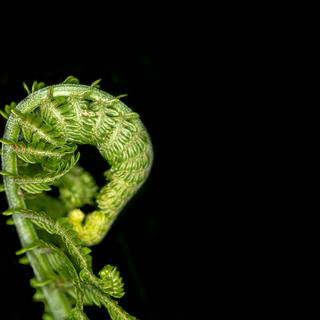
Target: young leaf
71 80
93 296
38 218
26 87
77 314
4 114
35 188
37 86
6 142
95 83
33 126
63 266
58 113
42 181
24 260
111 282
38 284
7 109
63 229
77 188
37 152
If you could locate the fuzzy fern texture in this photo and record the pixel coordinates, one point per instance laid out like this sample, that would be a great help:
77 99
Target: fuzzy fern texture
39 150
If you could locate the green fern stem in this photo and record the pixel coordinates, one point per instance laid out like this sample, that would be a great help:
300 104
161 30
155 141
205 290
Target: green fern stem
56 299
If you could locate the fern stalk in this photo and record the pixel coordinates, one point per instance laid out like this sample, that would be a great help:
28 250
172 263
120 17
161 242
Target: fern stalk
56 299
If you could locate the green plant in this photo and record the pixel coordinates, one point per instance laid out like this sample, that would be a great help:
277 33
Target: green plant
39 151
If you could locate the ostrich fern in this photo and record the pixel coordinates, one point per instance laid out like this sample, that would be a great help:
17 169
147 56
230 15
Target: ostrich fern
40 151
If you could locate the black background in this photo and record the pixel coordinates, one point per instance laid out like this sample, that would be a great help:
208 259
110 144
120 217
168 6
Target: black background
147 53
225 110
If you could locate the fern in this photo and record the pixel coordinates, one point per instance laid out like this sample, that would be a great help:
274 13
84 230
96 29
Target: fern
34 128
7 109
109 282
39 152
54 232
42 181
62 265
77 188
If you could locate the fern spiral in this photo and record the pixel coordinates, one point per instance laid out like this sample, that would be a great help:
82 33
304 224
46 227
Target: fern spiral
40 151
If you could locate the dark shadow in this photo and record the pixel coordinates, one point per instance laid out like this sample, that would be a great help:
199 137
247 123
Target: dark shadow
92 161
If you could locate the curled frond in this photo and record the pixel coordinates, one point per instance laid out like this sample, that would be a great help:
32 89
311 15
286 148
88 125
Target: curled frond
111 282
40 151
77 188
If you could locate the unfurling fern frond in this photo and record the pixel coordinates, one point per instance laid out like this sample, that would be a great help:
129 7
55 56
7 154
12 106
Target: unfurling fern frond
109 282
39 153
77 188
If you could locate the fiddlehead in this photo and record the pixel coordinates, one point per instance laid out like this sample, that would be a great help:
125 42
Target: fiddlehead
40 151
